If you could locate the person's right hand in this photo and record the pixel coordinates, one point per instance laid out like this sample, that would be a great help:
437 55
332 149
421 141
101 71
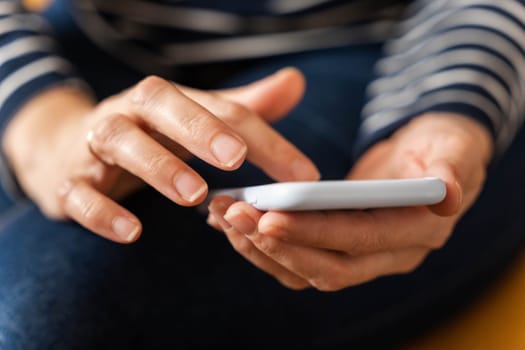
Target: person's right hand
76 159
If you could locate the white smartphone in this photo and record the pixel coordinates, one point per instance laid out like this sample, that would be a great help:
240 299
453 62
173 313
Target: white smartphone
339 194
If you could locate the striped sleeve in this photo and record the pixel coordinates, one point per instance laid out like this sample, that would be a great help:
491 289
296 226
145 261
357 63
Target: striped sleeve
463 56
29 64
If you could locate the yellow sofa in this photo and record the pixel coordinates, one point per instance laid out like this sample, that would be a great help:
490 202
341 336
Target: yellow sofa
496 321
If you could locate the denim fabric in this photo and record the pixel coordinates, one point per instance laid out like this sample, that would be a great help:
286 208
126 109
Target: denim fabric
182 286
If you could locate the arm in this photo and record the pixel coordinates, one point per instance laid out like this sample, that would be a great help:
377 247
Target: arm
30 64
76 157
85 157
463 57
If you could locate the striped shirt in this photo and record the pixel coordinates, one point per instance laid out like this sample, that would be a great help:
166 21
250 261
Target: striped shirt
465 56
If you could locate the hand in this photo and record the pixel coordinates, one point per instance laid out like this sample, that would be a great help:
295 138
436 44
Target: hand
332 250
76 159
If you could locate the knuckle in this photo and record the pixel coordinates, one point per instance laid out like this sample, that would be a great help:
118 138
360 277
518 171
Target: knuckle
334 279
372 238
349 274
242 245
159 164
276 225
234 113
368 238
53 212
270 246
294 283
325 284
106 105
195 125
437 240
437 243
324 225
74 202
62 194
146 92
412 264
89 210
363 241
409 268
375 241
108 131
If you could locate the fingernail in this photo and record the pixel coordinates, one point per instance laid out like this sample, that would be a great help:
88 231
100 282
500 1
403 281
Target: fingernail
225 225
241 222
125 228
211 220
189 186
303 170
227 149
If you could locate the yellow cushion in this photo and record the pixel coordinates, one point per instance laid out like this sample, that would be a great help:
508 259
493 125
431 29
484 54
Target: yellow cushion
495 322
36 5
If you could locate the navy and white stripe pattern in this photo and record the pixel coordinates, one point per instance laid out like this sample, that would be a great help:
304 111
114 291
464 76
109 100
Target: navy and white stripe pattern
205 31
29 64
465 56
28 59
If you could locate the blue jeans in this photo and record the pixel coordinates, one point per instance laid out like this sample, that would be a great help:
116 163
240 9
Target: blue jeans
183 286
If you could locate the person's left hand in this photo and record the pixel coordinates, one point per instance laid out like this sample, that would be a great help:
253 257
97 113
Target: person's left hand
332 250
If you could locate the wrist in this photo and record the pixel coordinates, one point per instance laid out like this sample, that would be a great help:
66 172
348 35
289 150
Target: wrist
34 133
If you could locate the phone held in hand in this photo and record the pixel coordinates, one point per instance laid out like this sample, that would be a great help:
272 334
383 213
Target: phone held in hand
339 194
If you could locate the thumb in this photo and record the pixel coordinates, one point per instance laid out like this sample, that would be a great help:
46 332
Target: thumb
453 201
271 97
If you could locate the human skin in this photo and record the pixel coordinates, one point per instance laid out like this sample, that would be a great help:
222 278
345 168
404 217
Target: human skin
332 250
76 158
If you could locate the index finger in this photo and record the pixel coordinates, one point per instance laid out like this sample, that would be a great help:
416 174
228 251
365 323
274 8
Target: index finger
163 108
267 149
